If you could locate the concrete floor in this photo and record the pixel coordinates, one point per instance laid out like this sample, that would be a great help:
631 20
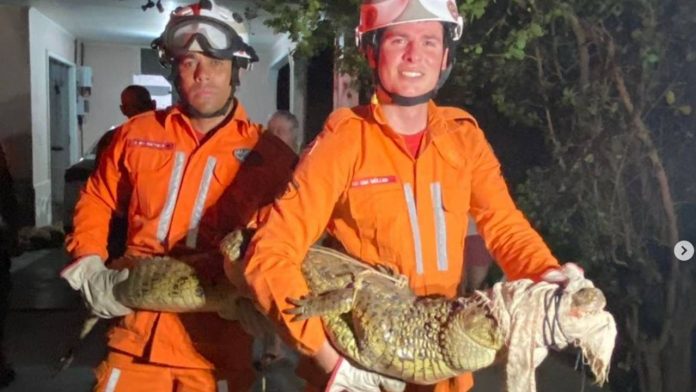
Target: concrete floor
46 316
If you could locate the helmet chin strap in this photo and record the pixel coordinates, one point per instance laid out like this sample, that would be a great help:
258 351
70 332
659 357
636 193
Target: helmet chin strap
401 100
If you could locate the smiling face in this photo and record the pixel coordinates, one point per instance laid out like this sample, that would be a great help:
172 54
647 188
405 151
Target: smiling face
204 81
411 58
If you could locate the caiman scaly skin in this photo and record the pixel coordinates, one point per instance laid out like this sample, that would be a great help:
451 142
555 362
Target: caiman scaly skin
167 284
370 314
374 318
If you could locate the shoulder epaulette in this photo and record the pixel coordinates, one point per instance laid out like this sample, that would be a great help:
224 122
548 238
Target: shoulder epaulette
341 115
457 115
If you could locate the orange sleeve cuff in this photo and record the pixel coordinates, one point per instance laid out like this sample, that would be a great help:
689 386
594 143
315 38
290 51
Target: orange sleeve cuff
272 289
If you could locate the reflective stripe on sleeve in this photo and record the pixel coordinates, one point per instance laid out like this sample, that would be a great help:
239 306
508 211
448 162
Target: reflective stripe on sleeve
113 380
197 214
415 227
172 194
222 386
440 226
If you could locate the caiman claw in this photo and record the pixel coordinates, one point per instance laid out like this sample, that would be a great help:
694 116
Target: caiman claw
300 310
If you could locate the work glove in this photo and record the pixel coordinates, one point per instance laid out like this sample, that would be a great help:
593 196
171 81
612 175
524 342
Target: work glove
569 276
347 378
96 284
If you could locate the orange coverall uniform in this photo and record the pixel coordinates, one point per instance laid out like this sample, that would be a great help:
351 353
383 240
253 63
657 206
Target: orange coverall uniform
359 181
182 196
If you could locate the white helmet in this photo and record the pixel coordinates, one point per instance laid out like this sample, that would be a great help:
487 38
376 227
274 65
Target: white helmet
378 14
208 28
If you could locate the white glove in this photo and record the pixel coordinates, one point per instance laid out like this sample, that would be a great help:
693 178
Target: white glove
569 276
96 284
348 378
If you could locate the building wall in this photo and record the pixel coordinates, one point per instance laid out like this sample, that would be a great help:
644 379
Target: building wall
33 38
46 38
113 67
258 86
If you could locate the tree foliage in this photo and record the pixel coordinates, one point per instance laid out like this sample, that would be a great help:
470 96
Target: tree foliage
610 84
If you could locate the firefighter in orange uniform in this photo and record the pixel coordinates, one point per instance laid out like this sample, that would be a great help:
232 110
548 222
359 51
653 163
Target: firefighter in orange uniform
176 173
393 182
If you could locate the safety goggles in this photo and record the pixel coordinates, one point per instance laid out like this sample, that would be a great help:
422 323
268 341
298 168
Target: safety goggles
207 35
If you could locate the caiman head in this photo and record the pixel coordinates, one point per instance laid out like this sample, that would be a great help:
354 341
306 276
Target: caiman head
587 325
543 315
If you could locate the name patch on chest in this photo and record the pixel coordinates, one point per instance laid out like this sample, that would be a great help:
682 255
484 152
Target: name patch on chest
367 181
157 145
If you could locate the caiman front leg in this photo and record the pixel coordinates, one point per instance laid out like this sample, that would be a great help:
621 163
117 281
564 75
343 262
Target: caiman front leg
330 303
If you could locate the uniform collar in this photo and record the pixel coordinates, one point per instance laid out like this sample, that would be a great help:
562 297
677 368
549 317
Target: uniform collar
435 125
436 128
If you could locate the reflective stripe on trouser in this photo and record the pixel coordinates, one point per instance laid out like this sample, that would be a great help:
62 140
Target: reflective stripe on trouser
123 373
197 212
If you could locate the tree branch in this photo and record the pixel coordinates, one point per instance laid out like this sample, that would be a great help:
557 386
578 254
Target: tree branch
583 53
643 134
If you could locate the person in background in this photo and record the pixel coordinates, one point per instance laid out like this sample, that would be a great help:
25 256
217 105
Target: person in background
175 173
8 248
284 125
135 99
477 260
393 182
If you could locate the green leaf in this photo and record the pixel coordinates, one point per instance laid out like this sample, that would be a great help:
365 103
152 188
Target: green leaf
652 58
685 109
535 30
670 97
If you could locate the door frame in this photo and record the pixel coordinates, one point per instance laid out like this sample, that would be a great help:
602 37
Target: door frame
73 135
74 140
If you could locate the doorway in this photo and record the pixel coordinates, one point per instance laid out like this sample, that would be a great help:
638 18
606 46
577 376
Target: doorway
59 93
283 88
320 74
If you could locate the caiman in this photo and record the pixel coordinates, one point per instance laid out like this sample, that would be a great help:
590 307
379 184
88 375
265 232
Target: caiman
375 320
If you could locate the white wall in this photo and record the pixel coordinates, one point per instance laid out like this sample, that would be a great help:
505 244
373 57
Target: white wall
45 38
113 67
258 88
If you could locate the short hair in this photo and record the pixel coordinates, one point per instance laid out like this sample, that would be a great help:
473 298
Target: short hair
141 94
294 125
